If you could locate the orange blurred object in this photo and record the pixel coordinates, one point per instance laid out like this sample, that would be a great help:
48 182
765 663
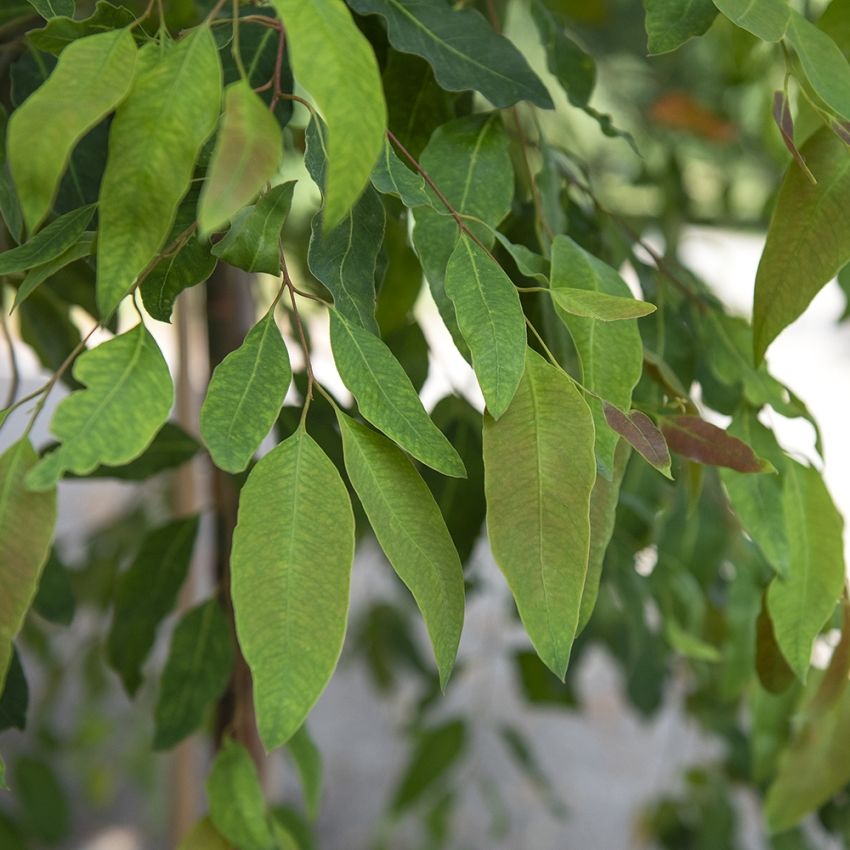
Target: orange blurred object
679 111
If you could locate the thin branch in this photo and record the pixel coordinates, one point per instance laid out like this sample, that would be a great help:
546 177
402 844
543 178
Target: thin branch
311 378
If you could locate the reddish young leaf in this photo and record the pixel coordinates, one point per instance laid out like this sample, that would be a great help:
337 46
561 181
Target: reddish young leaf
782 116
642 434
699 440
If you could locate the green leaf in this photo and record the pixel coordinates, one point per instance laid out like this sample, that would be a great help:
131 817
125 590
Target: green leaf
245 396
63 30
491 320
14 696
294 514
766 19
51 8
412 533
344 258
611 353
392 177
642 434
247 155
670 23
435 752
469 160
146 594
333 60
204 836
386 397
237 808
189 266
55 597
823 63
50 243
154 142
461 47
3 785
14 9
128 397
538 504
800 604
308 760
253 241
808 240
696 439
757 499
599 305
26 530
84 247
92 77
42 801
197 672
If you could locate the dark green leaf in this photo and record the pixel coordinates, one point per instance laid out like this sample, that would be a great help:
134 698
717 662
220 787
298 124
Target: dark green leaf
670 23
146 594
51 8
14 697
43 802
189 266
37 275
62 30
55 599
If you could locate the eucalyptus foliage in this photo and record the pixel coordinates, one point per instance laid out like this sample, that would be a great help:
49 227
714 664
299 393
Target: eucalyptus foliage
370 156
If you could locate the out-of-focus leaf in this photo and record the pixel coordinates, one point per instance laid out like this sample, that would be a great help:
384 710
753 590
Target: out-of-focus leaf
44 807
308 760
55 599
204 836
670 23
14 696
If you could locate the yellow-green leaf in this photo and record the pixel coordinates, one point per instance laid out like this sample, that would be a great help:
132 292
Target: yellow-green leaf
154 141
808 240
247 154
411 531
92 77
386 398
26 529
128 397
600 305
334 61
539 472
245 396
292 554
204 836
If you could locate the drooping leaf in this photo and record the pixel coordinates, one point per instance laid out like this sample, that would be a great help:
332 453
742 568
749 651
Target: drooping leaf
84 247
204 836
808 240
772 669
237 808
461 47
55 599
128 397
245 396
146 594
785 123
529 264
52 242
696 439
195 675
154 142
294 539
539 469
392 177
247 155
766 19
670 23
491 320
435 752
253 241
64 29
642 434
93 76
14 696
412 533
611 353
800 604
386 398
344 258
599 305
333 60
51 8
26 529
308 760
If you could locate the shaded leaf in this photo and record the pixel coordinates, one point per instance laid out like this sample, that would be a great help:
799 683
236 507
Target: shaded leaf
26 530
670 23
247 155
43 803
642 434
146 594
412 533
698 440
51 8
773 671
55 599
392 177
154 141
461 47
92 77
386 398
14 696
63 30
245 396
295 539
785 123
253 241
538 504
128 397
308 760
84 247
333 60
